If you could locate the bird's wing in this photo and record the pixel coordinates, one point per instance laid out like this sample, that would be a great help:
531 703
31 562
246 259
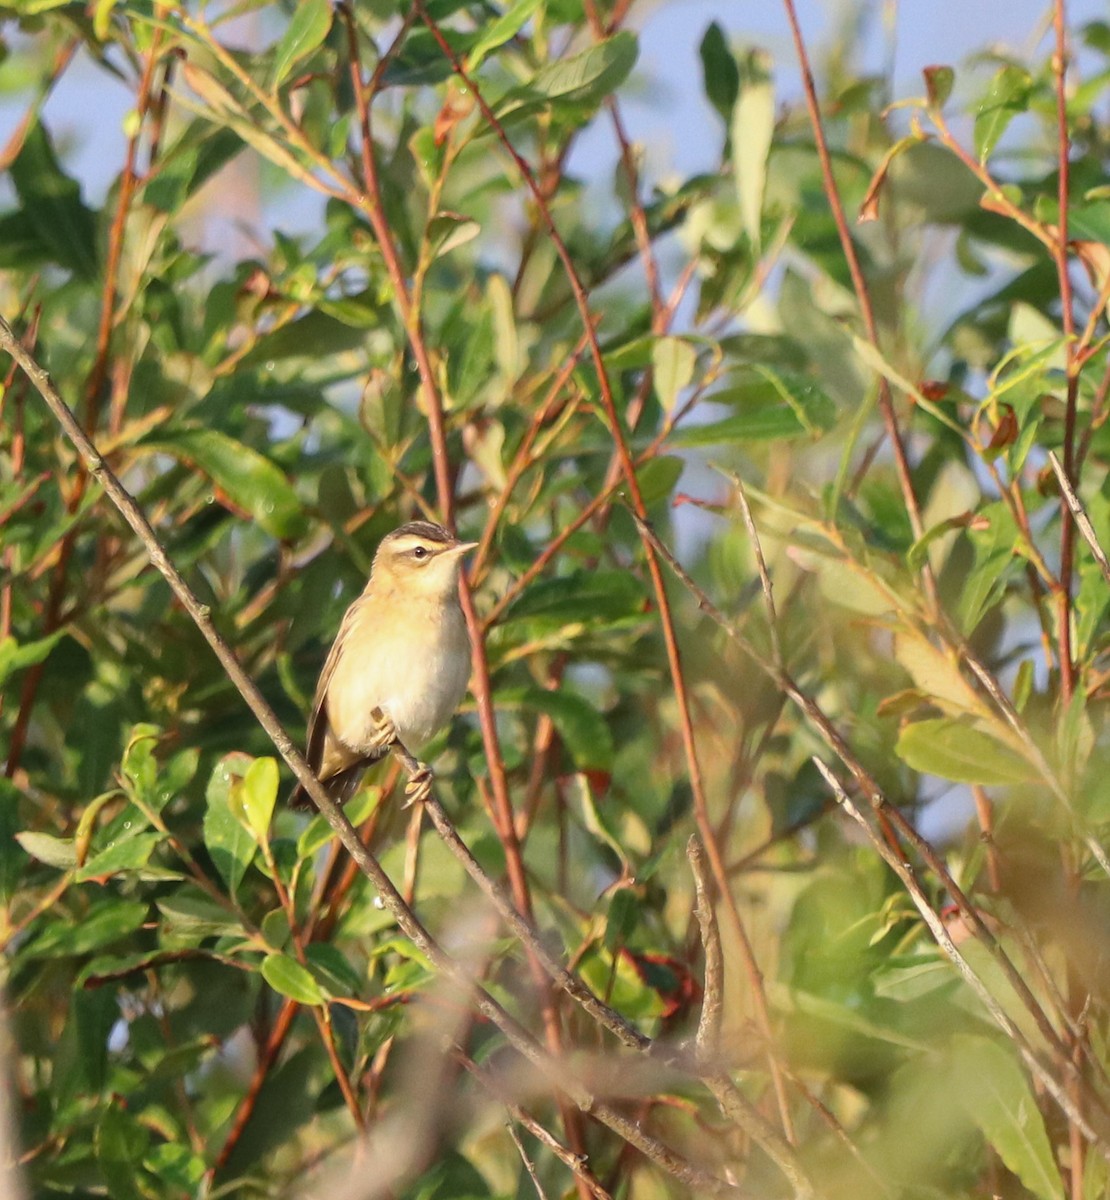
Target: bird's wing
326 755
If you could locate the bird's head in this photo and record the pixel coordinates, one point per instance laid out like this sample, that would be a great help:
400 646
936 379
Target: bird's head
420 559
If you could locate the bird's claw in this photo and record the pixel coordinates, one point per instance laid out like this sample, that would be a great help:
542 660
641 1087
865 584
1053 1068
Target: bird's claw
386 732
419 785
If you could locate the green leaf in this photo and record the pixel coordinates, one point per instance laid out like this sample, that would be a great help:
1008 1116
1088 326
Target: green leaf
192 915
54 851
753 124
127 855
997 1097
13 858
583 730
332 969
14 657
994 552
586 596
252 482
673 360
938 85
306 30
955 750
773 404
231 845
622 918
720 74
287 977
584 78
447 231
506 26
139 766
257 792
1006 97
105 923
657 477
120 1144
52 203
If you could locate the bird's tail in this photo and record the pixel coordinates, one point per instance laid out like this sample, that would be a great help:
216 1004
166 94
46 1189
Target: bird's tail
341 786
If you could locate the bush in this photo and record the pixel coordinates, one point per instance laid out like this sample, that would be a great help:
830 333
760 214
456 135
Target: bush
813 813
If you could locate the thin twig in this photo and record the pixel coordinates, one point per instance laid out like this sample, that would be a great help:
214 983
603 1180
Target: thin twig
709 1024
859 284
529 1166
1081 518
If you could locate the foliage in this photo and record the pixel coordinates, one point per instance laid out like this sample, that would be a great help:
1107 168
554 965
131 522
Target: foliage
205 995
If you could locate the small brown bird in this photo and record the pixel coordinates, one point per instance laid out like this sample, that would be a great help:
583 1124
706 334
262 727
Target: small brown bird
399 665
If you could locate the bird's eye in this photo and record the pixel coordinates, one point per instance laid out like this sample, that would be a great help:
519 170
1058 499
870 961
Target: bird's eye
420 553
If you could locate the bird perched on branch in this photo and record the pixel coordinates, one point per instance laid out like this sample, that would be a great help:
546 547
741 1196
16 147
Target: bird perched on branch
399 665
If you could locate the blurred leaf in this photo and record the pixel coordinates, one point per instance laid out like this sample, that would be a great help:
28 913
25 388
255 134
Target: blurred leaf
289 978
121 1143
955 750
446 231
622 918
257 792
997 1097
14 657
332 969
673 360
581 728
105 923
581 596
497 32
250 480
938 85
1007 96
753 124
125 855
190 914
936 673
231 845
773 404
307 28
720 74
54 851
52 204
586 77
658 477
451 1178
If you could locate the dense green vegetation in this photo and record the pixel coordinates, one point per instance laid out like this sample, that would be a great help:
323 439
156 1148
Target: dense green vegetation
847 373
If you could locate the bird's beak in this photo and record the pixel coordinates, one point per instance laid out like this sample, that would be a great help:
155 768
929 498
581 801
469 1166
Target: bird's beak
462 547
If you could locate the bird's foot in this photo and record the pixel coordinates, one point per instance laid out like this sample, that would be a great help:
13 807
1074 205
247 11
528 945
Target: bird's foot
385 732
419 786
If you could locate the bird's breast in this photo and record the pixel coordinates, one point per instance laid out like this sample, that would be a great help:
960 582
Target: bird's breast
412 662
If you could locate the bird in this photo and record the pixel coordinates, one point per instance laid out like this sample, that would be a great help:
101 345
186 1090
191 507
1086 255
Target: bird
399 666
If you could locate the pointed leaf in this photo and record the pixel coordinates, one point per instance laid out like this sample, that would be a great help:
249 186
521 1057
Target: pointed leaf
753 123
230 844
306 30
1005 98
286 976
497 33
673 360
252 482
257 793
998 1098
955 750
720 74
